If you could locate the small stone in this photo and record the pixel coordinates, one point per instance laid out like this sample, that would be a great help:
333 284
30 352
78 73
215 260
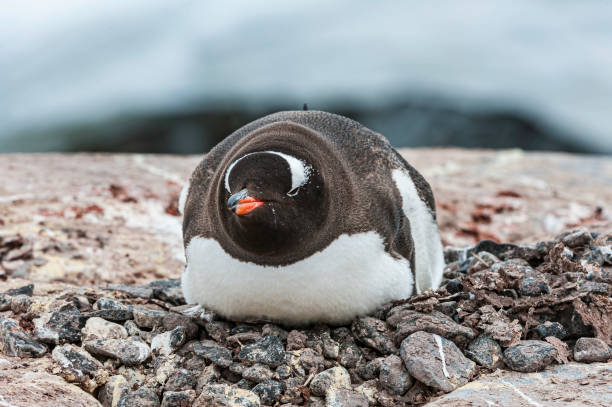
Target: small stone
20 303
209 375
498 326
174 320
481 261
178 398
115 388
180 379
271 329
530 356
15 342
350 354
218 330
27 290
111 310
244 384
436 361
99 328
258 373
331 348
448 308
138 291
374 333
268 391
370 370
168 291
168 342
213 352
409 322
296 340
590 350
345 398
394 376
370 390
577 238
533 286
77 365
334 378
453 286
148 318
283 371
223 395
551 329
595 287
485 351
131 328
142 397
128 351
61 326
268 350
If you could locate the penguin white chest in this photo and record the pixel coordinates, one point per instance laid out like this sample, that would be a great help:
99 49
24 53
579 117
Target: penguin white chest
352 276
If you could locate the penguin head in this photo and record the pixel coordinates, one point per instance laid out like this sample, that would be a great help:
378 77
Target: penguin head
271 201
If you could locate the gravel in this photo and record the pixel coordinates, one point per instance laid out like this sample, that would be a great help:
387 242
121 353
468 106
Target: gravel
141 346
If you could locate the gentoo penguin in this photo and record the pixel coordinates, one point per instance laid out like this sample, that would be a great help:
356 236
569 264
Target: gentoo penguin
307 216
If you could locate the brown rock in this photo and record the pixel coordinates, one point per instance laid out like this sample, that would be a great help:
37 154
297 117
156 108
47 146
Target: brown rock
409 322
24 388
436 361
589 350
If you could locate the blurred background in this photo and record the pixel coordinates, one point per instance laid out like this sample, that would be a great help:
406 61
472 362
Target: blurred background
178 76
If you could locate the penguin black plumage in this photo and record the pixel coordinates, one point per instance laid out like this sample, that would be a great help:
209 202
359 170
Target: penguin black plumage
307 216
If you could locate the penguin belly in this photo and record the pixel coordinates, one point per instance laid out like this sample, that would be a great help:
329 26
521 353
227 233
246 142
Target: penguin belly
352 276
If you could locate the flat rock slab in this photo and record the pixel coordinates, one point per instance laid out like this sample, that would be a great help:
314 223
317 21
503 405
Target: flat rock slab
20 388
91 219
568 385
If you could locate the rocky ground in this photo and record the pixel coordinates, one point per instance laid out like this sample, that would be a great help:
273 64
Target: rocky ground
91 312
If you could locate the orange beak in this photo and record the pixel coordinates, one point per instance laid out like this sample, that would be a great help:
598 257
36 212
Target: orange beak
242 204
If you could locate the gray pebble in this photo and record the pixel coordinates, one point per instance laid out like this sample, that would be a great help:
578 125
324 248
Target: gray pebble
485 351
334 378
168 342
115 388
181 379
217 395
213 352
268 391
530 356
111 310
374 333
142 397
178 398
551 329
345 398
128 351
148 318
15 342
394 376
258 373
268 350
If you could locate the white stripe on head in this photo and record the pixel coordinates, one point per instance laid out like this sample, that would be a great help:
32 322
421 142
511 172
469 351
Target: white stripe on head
300 171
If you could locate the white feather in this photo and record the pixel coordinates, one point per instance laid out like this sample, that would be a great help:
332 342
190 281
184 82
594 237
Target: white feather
352 276
429 257
183 198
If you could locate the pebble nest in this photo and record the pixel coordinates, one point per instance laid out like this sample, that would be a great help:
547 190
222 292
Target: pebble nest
501 306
